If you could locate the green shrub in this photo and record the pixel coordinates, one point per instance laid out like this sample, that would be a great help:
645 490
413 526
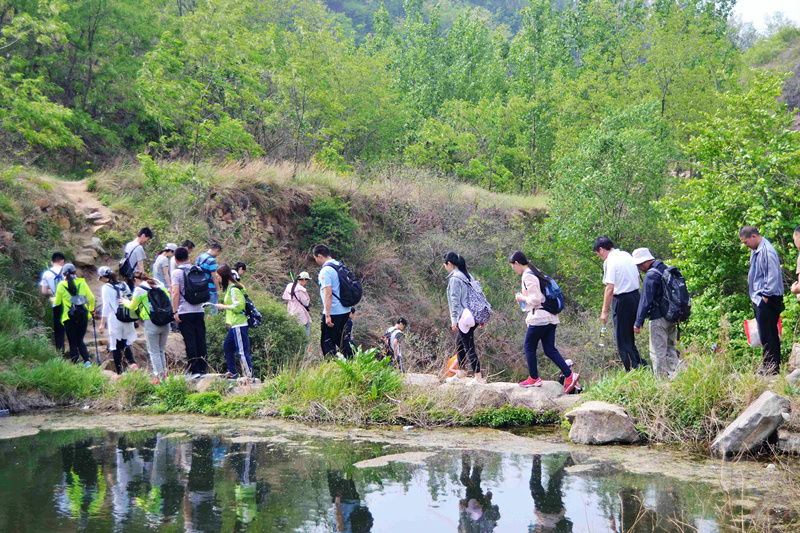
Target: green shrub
132 389
91 185
273 345
19 336
511 416
202 402
172 392
329 222
369 377
57 379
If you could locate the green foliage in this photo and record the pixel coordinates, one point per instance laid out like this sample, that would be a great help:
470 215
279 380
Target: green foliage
768 49
369 377
202 402
56 379
172 392
746 170
20 338
275 344
511 416
329 222
132 389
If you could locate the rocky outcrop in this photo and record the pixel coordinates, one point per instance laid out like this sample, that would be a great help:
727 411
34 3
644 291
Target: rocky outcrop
794 377
421 380
751 429
601 423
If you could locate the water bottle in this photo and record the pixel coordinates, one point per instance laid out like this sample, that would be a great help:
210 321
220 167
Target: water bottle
602 342
521 304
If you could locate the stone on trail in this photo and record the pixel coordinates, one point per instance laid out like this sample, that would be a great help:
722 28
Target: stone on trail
793 377
601 423
754 426
421 380
84 260
794 359
205 383
175 352
477 396
788 442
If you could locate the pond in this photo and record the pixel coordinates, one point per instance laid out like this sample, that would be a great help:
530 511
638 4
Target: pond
170 481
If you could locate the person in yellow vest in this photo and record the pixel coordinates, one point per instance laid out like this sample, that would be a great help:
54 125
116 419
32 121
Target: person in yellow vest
77 301
237 341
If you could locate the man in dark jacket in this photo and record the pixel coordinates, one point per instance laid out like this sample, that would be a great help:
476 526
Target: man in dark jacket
663 333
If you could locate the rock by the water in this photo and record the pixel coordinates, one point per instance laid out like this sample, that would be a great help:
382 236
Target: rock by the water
535 398
205 383
477 396
601 423
794 376
421 380
754 426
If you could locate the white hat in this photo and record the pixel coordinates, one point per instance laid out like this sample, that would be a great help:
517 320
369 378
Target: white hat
303 275
171 246
103 272
642 255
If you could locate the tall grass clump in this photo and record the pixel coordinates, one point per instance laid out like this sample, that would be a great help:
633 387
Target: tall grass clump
19 338
706 395
171 394
57 379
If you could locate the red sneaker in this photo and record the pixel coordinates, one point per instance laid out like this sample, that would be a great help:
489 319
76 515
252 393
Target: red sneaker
530 382
134 366
570 382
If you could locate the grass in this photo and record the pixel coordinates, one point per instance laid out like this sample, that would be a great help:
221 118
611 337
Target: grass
19 337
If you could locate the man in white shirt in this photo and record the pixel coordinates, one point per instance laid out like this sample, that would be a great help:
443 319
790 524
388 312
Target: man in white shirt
621 278
135 255
50 279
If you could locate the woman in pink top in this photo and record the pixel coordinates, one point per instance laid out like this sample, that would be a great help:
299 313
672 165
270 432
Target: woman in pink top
541 324
299 300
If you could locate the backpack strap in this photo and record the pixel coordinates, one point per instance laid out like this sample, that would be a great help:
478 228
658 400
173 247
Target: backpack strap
333 266
129 254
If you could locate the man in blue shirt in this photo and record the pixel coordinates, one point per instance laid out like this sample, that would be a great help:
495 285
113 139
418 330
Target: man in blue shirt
765 282
208 263
334 314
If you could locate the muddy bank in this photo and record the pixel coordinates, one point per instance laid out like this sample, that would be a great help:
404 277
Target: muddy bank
657 460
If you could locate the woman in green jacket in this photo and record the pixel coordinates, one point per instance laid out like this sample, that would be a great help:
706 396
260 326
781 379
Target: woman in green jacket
237 341
73 290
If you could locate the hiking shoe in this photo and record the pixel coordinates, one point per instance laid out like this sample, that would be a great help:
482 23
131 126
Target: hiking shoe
87 364
134 366
229 375
530 382
453 379
155 381
115 377
570 382
475 381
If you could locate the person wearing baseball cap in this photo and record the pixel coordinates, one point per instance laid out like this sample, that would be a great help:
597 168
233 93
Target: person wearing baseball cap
298 301
663 333
161 263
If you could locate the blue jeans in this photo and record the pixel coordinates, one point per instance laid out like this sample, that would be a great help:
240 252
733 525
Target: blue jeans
214 299
547 335
237 342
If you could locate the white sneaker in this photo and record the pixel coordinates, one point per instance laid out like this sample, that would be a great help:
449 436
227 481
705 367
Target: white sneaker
474 381
453 379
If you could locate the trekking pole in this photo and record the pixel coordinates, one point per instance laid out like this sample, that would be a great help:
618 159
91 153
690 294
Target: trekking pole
96 351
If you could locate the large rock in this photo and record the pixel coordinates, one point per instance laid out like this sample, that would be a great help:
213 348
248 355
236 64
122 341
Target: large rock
793 377
477 396
421 380
95 244
205 383
754 426
85 259
537 398
601 423
175 352
788 442
794 359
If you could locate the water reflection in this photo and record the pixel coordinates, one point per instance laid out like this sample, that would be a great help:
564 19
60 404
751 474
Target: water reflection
151 481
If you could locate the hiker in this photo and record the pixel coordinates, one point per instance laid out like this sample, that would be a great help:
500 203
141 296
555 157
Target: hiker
151 301
766 293
237 341
48 282
161 263
795 289
621 279
190 317
393 338
238 271
121 334
173 264
208 262
461 319
298 301
334 314
548 501
347 334
70 291
652 305
541 323
135 256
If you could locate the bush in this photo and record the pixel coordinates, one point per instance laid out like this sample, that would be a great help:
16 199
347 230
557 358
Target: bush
273 345
171 394
57 379
132 389
19 337
511 416
202 402
329 222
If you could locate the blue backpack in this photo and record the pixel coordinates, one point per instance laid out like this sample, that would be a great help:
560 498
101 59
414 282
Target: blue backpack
553 298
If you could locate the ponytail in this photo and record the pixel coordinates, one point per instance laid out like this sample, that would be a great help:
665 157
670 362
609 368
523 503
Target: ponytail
73 290
112 278
294 286
459 262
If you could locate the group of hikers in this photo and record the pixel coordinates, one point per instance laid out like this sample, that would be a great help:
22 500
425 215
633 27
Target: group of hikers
177 293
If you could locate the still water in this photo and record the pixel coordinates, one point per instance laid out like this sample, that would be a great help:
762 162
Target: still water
87 481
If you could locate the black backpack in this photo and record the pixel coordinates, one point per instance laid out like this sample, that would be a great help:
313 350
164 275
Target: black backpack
126 270
195 285
160 307
349 287
676 305
254 317
78 312
123 314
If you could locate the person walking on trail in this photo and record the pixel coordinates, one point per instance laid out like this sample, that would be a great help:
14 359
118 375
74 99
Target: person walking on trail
298 301
190 317
795 288
334 314
238 271
237 341
461 319
48 283
135 256
208 262
766 293
156 334
395 336
652 305
347 334
161 264
173 264
70 291
541 324
621 279
120 334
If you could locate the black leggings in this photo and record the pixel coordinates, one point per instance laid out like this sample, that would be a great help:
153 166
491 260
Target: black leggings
547 335
121 349
75 334
465 344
